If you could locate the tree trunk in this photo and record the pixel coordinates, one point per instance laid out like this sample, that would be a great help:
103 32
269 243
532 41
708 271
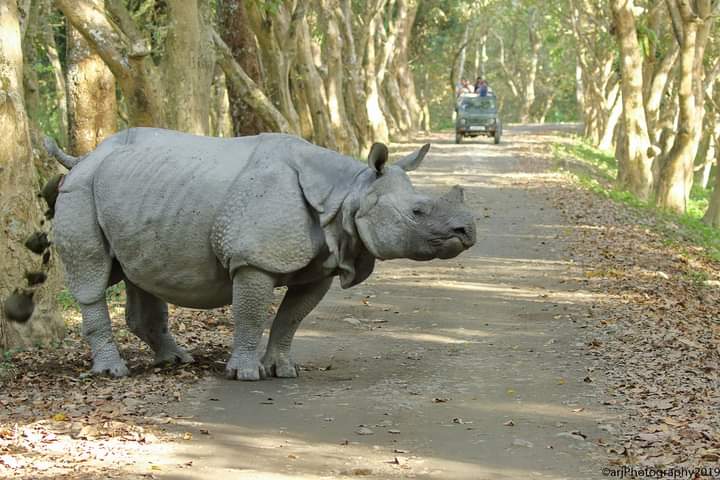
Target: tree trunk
378 124
672 189
21 213
251 93
606 140
657 89
92 104
221 121
30 37
300 101
403 74
706 157
712 215
634 164
529 90
188 65
128 59
276 34
314 89
356 99
341 125
460 69
51 51
235 31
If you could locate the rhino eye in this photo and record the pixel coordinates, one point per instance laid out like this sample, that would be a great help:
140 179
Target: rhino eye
418 212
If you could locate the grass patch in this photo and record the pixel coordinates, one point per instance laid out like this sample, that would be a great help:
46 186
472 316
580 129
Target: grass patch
114 295
596 170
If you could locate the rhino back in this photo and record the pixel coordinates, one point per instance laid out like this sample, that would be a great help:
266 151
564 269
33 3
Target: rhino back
157 198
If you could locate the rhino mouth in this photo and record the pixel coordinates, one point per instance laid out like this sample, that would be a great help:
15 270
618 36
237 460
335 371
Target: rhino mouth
449 247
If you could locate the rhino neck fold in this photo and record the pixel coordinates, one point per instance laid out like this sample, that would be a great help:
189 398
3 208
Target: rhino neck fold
349 255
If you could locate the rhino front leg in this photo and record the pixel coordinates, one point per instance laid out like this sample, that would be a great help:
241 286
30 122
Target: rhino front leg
147 317
252 295
298 302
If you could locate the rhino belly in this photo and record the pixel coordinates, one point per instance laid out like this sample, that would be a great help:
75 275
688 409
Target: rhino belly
182 270
190 280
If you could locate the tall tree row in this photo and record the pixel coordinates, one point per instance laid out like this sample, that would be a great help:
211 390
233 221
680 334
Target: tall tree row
333 71
652 97
640 75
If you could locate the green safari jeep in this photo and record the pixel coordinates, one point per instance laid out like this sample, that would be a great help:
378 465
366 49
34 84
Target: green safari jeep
477 116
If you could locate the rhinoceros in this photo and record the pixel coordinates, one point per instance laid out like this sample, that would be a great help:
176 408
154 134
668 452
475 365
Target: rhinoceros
205 222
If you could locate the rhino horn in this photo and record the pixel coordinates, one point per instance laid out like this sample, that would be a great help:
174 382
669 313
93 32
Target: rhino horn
455 195
412 161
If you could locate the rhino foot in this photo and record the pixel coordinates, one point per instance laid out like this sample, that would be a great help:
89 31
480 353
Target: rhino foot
172 356
244 366
115 367
279 365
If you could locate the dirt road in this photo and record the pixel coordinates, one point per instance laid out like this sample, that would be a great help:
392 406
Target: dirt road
471 368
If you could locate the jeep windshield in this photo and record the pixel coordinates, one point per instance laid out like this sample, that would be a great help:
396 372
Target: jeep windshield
478 105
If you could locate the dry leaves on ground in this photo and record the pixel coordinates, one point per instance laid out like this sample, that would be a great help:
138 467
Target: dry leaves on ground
58 422
657 335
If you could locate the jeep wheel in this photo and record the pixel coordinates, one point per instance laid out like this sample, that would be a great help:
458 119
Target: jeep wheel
458 138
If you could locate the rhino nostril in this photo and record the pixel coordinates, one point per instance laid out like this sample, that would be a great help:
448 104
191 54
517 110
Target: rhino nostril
460 231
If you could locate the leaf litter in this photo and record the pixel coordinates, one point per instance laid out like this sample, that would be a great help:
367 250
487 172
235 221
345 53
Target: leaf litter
56 421
656 329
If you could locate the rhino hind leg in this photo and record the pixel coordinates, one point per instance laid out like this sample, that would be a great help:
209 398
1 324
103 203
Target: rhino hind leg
299 301
84 252
252 295
96 328
147 317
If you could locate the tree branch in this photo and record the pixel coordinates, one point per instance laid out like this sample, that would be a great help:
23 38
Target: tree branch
676 21
252 94
94 26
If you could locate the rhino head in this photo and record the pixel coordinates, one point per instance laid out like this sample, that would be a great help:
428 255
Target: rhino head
396 221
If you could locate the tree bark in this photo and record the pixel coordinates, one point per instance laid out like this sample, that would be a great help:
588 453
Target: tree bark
314 89
712 215
92 104
676 175
236 33
378 124
404 76
221 121
251 93
333 52
53 55
460 69
21 214
188 65
355 99
529 90
303 109
128 59
276 34
606 140
635 172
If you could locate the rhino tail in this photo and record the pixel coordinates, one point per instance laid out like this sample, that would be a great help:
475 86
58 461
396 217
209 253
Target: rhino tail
67 161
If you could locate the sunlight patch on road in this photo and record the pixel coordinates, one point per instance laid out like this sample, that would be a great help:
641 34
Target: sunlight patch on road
296 456
428 337
518 408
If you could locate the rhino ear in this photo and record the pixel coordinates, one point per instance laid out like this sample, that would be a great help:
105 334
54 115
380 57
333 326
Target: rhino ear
412 161
378 157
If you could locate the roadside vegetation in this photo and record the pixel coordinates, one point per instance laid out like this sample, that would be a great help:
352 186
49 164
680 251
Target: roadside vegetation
596 170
